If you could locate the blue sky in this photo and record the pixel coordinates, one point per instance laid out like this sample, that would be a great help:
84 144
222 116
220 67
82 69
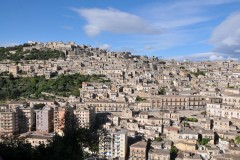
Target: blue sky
192 29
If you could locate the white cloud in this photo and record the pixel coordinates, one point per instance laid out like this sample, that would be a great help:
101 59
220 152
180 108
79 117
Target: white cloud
105 46
226 41
173 23
216 58
226 36
228 32
211 56
115 21
180 13
158 26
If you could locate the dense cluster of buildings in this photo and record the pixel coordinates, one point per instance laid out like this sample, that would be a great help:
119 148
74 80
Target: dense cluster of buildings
151 108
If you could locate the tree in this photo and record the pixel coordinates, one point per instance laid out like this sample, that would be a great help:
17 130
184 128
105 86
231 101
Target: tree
11 77
159 139
38 106
186 124
139 99
173 152
12 148
204 113
162 91
237 139
192 119
198 73
204 141
63 85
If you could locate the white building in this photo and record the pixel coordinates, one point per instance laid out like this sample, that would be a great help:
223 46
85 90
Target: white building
114 145
44 120
85 115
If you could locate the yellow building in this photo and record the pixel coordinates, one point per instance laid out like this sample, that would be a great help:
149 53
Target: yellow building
188 147
138 151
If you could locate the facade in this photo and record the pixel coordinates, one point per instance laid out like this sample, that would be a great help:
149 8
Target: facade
115 145
171 133
85 116
221 124
186 147
177 102
223 110
158 154
188 136
38 139
127 113
44 120
25 119
14 70
37 101
138 151
105 106
59 121
9 121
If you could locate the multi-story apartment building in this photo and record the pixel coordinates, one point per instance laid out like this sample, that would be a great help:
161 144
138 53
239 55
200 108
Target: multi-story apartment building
138 151
177 102
189 136
222 110
107 106
9 121
44 120
14 104
25 114
85 115
38 101
59 119
114 145
25 119
232 100
158 154
221 124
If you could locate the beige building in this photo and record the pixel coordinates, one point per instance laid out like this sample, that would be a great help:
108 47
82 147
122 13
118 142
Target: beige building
187 147
9 121
231 99
188 136
59 121
106 106
171 133
14 104
14 70
38 139
138 151
221 124
177 102
85 115
26 119
223 110
158 154
127 113
32 102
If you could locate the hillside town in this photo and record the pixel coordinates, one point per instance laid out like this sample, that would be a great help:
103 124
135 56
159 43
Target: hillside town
150 108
